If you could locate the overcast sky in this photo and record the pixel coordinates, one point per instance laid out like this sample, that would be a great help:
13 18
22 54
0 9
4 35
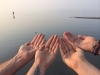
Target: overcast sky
48 5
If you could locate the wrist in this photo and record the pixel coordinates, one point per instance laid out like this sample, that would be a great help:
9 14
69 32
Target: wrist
85 68
19 57
93 46
39 68
96 50
77 63
19 60
99 52
13 65
41 65
80 65
24 56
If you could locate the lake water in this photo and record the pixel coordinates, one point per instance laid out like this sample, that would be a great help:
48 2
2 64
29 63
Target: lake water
15 32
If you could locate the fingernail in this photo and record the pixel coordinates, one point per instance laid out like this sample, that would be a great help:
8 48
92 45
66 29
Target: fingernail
64 32
55 35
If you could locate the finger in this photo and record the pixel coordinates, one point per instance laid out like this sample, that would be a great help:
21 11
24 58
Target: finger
47 49
69 45
65 44
61 42
71 35
69 39
73 40
54 44
27 44
49 42
81 37
53 41
32 42
41 48
79 50
37 39
66 49
61 50
71 52
56 48
43 42
67 36
40 40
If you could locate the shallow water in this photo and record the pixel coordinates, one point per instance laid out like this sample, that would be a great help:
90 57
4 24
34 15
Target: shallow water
15 32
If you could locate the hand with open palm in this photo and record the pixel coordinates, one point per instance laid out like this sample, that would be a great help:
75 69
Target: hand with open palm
71 55
84 42
47 53
28 50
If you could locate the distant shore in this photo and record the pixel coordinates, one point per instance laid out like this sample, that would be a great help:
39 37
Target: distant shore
86 17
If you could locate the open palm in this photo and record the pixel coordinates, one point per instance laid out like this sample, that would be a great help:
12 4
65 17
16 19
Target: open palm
28 50
70 54
47 53
84 42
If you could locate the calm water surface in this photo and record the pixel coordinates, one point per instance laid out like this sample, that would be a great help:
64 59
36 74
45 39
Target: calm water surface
15 32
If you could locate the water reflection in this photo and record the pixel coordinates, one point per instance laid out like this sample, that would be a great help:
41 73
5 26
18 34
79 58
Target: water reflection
14 33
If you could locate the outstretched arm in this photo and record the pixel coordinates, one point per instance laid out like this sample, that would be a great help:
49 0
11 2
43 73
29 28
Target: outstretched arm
86 43
24 55
12 66
74 58
86 68
37 69
44 57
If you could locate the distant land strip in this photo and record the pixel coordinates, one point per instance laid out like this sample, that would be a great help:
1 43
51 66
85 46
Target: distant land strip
86 17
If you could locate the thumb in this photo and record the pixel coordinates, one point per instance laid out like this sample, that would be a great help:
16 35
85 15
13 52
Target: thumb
42 47
81 37
78 49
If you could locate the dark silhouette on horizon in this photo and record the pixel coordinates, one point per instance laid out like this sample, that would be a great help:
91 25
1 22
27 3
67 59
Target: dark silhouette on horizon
13 15
86 17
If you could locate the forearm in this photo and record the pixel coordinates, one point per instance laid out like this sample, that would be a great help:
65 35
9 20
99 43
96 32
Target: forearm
86 68
96 50
12 66
37 69
99 52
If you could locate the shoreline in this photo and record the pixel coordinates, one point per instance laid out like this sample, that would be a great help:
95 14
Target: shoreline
86 17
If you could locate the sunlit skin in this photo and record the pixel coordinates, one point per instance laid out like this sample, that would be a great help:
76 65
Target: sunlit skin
24 55
45 55
70 54
30 48
84 42
74 57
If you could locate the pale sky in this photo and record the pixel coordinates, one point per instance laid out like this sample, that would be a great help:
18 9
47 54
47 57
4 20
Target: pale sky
48 5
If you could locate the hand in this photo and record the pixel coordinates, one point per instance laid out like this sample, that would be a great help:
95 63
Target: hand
71 55
84 42
47 53
28 50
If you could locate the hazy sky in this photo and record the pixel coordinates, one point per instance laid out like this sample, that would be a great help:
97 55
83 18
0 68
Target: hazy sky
48 5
